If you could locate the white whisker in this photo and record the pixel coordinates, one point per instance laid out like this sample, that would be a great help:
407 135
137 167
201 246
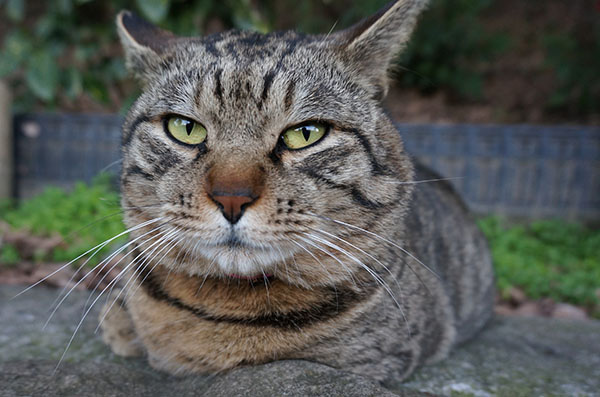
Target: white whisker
331 30
111 165
377 278
87 252
380 238
312 243
208 270
287 270
84 317
361 251
316 259
103 263
135 273
425 181
376 260
169 247
107 273
163 239
158 262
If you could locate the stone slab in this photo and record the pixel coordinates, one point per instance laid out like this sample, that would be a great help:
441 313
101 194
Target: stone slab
514 356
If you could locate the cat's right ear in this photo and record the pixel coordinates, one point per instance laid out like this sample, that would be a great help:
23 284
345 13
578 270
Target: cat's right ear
144 44
371 45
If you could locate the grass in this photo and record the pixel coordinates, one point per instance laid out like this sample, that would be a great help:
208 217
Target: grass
547 259
84 217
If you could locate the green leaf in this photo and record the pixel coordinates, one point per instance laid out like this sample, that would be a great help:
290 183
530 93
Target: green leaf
74 83
154 10
95 87
15 9
9 255
8 64
65 6
42 75
45 26
17 47
58 212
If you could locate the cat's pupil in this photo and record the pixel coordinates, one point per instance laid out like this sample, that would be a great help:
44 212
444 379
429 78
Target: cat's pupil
305 133
189 126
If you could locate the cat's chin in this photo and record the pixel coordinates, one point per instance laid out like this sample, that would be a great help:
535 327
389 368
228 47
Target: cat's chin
242 261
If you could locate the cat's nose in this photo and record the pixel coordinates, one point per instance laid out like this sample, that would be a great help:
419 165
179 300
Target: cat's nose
232 206
233 189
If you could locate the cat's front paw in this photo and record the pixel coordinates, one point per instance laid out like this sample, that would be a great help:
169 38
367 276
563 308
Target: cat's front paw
118 331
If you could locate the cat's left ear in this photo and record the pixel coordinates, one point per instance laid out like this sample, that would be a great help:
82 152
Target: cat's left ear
372 44
144 44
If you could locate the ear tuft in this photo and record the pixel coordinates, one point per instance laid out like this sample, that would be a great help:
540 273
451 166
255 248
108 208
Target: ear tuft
372 44
144 43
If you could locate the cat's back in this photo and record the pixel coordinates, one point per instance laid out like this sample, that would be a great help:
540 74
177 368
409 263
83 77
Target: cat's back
443 235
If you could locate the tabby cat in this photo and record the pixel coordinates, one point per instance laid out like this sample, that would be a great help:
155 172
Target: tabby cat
275 213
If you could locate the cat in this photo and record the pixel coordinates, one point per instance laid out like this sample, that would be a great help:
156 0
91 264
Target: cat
274 213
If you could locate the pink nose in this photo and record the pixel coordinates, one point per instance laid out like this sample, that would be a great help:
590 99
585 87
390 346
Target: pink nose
232 206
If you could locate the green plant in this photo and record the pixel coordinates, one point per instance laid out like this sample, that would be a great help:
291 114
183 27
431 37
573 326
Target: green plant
575 60
60 51
9 256
548 258
83 217
64 53
449 47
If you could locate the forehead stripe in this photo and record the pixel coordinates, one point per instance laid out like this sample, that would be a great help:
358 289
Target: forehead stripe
268 81
129 130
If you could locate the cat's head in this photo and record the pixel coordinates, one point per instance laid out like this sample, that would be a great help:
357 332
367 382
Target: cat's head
253 154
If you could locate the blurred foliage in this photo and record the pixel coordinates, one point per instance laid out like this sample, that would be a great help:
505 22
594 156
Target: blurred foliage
449 48
65 53
575 59
83 217
552 259
59 51
9 255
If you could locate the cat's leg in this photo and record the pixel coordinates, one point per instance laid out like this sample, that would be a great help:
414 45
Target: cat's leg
119 332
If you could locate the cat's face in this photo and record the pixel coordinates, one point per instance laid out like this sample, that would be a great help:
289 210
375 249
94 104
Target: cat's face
253 153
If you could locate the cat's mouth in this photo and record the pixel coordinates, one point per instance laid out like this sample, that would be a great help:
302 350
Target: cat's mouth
240 261
233 256
233 241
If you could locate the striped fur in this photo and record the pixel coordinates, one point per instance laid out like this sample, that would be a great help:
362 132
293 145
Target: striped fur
340 259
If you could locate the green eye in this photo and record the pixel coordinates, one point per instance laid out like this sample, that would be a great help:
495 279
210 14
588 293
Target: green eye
186 131
303 135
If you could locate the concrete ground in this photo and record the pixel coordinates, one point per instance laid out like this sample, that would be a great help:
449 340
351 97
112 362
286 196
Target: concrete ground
514 356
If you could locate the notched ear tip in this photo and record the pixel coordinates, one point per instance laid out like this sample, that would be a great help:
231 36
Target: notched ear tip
133 23
353 32
389 28
140 32
144 44
126 21
371 45
123 14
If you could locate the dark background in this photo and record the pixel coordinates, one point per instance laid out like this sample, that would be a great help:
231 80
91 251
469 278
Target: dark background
481 61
